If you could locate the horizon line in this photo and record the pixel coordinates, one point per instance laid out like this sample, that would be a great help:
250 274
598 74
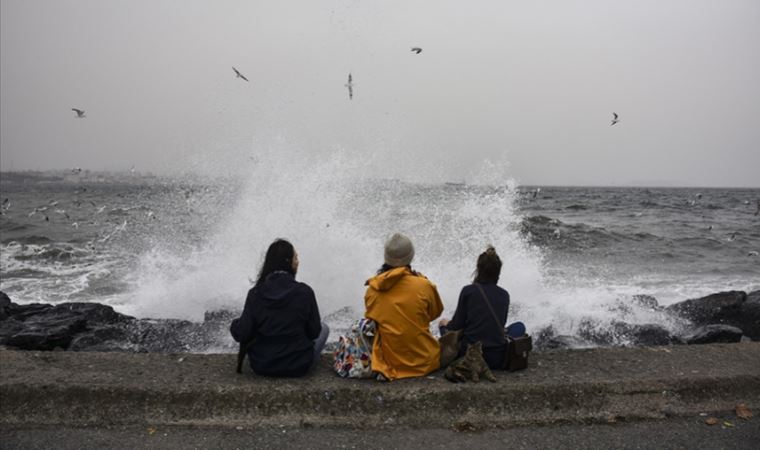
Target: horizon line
534 185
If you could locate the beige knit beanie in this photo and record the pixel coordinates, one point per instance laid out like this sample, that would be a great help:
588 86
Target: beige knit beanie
399 251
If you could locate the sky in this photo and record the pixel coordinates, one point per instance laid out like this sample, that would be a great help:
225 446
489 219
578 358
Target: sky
529 85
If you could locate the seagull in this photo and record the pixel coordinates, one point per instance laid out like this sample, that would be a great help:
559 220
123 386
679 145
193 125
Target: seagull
80 113
417 50
350 86
239 75
76 170
38 209
614 119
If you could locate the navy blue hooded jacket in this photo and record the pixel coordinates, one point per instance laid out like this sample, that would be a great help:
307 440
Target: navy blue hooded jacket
282 318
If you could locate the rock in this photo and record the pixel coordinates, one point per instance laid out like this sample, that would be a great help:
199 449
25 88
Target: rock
626 334
751 316
221 315
8 328
171 335
734 308
45 327
710 334
5 303
47 333
646 301
547 339
97 327
596 332
543 335
23 312
715 308
106 338
93 313
644 334
561 341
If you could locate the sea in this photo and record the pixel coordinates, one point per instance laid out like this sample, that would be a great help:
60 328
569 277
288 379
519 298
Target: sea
178 246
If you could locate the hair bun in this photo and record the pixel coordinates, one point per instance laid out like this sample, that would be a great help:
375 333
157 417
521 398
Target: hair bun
490 249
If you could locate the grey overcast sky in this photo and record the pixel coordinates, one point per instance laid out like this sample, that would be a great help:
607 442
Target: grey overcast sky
533 83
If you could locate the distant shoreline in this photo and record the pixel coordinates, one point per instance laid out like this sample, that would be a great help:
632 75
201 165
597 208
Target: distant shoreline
66 176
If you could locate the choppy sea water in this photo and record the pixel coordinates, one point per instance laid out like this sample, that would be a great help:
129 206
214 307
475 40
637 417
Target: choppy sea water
175 248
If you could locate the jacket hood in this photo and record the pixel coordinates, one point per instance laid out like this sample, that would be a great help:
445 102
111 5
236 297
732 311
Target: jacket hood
388 279
277 286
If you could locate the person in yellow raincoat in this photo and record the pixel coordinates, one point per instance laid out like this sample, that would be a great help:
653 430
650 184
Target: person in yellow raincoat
402 303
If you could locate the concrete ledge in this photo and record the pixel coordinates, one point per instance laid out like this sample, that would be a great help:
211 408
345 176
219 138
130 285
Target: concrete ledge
578 386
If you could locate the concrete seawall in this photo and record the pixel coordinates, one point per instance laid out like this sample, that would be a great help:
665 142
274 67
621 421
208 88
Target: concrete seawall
578 386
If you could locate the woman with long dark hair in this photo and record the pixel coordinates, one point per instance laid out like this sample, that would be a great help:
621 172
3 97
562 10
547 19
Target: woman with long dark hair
281 319
482 312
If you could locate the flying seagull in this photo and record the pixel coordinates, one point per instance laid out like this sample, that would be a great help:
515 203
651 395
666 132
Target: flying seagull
239 75
80 113
417 50
350 86
614 119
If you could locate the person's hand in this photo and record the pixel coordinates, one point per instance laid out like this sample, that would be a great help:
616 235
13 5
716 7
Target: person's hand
443 322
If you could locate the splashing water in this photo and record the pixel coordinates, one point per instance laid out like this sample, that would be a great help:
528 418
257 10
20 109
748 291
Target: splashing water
338 211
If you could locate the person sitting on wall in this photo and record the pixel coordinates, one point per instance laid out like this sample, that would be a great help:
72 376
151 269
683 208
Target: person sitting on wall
402 303
281 318
482 312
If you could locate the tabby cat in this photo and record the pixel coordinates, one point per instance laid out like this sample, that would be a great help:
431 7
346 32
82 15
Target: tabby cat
469 367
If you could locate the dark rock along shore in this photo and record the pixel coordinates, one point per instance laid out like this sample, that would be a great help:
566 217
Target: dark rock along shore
722 317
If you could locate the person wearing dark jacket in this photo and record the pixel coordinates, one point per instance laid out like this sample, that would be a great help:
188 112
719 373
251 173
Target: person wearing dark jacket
281 318
483 317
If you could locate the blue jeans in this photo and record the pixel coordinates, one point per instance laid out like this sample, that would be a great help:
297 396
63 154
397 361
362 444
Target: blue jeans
515 330
319 342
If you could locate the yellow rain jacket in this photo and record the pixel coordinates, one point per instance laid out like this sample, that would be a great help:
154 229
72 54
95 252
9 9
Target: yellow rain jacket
403 303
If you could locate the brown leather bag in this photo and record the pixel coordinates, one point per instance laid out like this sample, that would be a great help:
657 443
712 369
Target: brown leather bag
517 352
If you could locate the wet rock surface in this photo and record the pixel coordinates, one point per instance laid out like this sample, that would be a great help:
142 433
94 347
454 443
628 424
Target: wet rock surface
735 308
97 327
710 334
625 334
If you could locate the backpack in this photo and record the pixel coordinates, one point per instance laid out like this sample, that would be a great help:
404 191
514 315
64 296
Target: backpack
353 358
